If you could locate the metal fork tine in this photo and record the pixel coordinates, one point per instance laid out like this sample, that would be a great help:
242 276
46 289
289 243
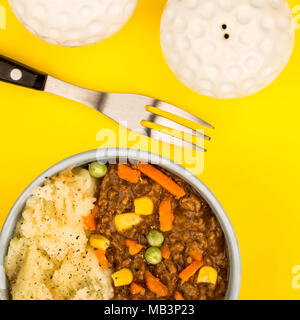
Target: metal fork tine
162 119
167 120
177 112
159 135
181 123
189 138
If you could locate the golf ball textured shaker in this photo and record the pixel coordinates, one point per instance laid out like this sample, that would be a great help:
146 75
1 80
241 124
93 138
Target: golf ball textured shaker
73 22
227 48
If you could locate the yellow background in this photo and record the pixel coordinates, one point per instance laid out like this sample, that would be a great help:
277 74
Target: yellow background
252 164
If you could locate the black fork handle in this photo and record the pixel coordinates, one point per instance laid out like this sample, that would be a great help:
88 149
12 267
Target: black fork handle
19 74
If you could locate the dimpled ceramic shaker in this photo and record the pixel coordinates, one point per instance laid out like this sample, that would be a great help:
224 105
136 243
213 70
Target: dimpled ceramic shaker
227 48
73 22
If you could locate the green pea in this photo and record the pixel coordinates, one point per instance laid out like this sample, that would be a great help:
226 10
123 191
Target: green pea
153 255
97 169
155 238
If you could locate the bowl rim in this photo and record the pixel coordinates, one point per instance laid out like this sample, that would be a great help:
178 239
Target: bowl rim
110 154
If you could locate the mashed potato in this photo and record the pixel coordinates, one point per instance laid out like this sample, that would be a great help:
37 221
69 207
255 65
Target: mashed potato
49 256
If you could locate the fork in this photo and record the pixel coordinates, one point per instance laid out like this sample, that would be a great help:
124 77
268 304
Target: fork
144 115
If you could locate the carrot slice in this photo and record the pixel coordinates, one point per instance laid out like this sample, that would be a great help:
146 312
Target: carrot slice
135 288
89 222
100 254
196 254
155 285
159 177
166 217
133 246
190 270
178 296
128 174
165 251
95 210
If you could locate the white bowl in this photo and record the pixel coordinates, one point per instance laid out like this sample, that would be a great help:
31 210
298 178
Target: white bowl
110 155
